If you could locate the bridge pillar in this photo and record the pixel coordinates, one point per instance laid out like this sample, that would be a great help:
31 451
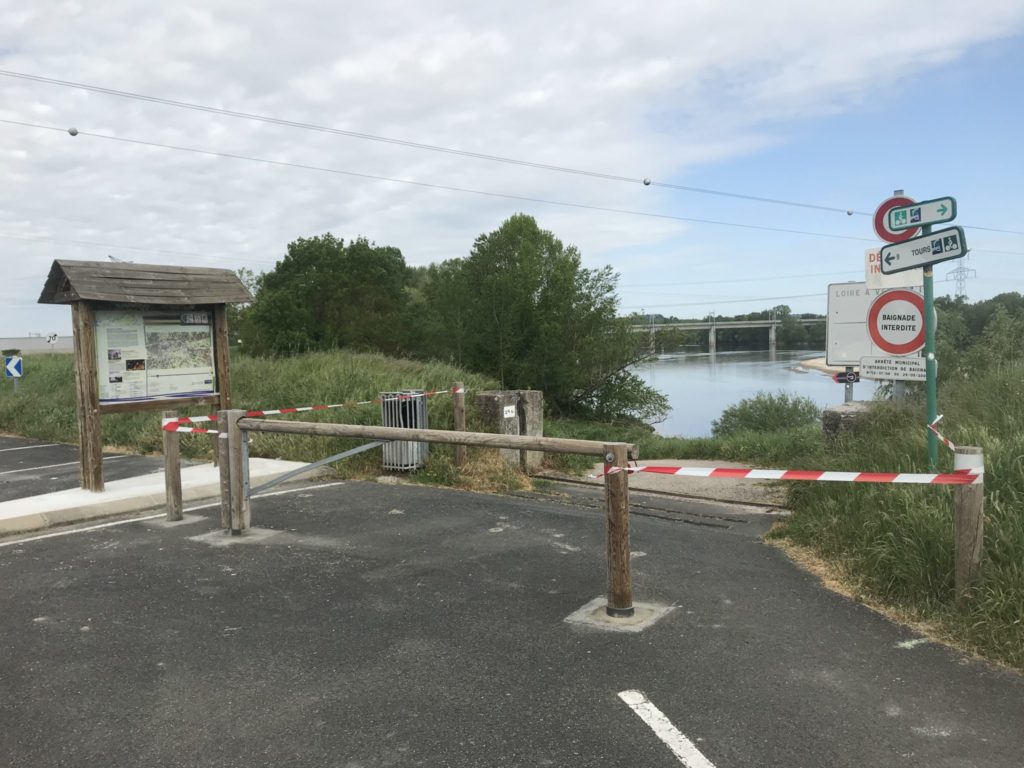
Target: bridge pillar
771 337
712 342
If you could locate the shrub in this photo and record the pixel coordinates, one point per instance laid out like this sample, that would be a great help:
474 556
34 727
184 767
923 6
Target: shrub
766 412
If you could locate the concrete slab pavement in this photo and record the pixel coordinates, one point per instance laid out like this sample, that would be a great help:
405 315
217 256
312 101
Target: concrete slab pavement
403 625
39 484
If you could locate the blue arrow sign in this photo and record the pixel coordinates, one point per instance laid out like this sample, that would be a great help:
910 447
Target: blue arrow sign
12 367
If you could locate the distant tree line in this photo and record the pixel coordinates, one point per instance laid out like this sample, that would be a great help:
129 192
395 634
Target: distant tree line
791 334
520 307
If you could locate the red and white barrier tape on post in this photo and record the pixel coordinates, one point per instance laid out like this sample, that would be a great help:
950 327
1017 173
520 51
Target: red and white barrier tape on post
945 440
181 423
959 477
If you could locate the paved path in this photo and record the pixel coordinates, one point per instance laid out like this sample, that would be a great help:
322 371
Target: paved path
400 626
32 467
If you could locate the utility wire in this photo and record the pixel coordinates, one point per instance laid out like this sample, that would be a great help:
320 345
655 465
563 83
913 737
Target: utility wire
412 144
738 280
436 148
445 187
448 188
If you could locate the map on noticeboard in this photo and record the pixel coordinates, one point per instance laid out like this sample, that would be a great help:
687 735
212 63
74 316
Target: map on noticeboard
151 355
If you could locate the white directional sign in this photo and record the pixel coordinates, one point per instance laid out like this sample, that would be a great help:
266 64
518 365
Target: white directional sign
937 211
12 367
893 368
943 245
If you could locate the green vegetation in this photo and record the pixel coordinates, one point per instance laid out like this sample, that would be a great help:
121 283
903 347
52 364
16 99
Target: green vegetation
519 308
766 413
44 406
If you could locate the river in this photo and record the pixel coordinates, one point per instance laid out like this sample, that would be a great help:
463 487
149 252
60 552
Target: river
700 386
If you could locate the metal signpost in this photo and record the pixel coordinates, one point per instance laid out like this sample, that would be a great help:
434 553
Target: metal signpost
898 221
13 369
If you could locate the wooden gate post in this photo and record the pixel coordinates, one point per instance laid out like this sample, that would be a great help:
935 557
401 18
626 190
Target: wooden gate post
224 465
969 522
172 470
459 411
240 511
87 397
616 492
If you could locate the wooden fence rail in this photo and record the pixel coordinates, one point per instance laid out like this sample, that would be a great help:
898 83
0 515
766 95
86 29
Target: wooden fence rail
620 579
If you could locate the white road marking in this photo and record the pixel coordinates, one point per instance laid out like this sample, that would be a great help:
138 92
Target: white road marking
28 447
54 466
153 517
681 746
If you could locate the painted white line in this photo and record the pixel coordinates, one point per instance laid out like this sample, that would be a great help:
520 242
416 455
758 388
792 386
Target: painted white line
54 466
681 746
28 447
154 517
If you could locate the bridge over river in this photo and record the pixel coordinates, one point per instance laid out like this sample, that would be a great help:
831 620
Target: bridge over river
713 326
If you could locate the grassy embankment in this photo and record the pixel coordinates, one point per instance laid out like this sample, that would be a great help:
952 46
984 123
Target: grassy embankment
44 408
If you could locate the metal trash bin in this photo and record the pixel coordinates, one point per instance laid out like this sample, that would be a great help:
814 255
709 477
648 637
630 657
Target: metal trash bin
408 409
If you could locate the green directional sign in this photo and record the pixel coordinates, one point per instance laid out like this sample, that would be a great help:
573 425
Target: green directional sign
936 211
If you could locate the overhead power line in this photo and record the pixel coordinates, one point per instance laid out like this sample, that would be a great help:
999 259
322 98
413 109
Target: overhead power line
268 119
413 144
445 187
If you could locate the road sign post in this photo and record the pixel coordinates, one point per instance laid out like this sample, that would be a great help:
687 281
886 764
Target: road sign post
931 374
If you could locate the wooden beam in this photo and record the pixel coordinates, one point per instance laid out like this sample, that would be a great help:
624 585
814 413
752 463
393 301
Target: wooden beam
968 523
87 398
221 355
224 460
172 471
240 510
459 420
155 405
481 439
616 492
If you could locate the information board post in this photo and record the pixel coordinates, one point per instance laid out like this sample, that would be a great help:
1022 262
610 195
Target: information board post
931 387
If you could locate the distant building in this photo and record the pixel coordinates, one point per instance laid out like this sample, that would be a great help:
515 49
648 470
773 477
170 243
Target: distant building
39 345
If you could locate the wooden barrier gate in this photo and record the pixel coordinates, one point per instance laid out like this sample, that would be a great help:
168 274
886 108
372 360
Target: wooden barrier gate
236 514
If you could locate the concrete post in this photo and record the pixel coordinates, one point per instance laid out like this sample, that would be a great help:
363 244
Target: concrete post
500 411
531 424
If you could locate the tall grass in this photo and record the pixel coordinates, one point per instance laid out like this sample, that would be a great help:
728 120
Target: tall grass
44 405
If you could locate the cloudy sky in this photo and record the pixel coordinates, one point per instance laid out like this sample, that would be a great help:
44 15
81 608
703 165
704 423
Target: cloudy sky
828 104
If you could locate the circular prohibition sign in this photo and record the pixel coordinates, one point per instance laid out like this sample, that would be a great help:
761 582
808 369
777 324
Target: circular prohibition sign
881 221
877 322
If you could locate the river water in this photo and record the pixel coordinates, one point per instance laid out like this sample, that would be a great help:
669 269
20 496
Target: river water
700 386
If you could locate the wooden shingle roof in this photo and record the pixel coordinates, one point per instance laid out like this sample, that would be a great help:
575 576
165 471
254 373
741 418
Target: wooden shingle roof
71 281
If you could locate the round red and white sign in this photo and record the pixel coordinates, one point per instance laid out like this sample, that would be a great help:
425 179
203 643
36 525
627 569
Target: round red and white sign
896 322
882 221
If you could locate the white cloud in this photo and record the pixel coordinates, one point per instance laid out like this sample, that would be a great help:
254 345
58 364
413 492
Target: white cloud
642 89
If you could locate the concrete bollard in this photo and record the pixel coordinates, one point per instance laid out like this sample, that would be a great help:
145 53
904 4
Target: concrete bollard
500 410
531 424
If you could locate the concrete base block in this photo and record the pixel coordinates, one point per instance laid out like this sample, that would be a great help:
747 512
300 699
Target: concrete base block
225 539
593 615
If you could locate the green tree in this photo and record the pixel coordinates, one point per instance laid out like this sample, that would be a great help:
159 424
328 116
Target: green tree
324 294
522 308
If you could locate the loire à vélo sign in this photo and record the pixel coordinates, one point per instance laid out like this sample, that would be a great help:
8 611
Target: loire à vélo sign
942 245
927 212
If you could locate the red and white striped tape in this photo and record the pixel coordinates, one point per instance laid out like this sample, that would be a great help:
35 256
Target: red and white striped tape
959 477
181 423
945 440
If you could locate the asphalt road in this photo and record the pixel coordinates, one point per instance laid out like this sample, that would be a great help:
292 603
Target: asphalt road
404 626
32 467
